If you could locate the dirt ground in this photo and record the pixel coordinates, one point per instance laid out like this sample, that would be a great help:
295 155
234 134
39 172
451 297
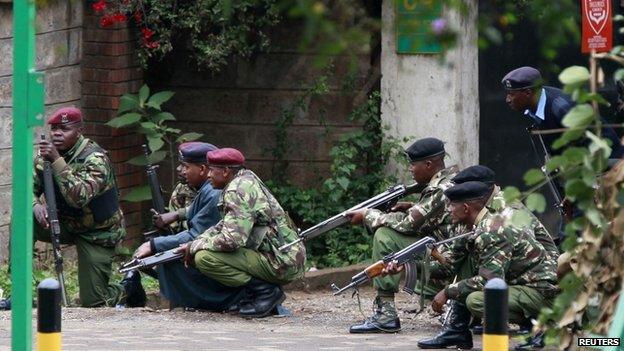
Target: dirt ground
320 322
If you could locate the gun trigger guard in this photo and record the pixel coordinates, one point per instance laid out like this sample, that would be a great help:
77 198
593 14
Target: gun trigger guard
355 292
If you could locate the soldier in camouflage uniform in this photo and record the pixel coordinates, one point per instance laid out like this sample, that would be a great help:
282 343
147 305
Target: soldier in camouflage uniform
495 250
242 249
181 198
88 209
396 230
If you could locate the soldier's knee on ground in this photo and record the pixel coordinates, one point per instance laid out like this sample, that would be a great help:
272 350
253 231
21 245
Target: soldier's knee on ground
475 303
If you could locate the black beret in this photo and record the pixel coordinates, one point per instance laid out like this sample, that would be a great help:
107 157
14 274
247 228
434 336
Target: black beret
194 152
522 78
468 191
425 148
475 173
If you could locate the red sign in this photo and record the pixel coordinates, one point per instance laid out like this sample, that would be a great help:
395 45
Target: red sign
597 25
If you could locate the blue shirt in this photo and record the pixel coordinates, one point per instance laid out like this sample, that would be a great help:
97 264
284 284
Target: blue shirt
539 115
201 215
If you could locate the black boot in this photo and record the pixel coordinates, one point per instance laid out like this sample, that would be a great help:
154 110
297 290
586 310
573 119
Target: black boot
456 332
264 298
532 343
245 300
135 295
5 304
385 319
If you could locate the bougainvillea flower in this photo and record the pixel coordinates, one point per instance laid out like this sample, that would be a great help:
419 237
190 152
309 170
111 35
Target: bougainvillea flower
106 21
99 6
147 33
119 17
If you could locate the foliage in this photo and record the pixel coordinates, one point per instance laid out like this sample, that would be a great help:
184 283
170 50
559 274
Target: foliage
213 30
357 173
594 241
144 114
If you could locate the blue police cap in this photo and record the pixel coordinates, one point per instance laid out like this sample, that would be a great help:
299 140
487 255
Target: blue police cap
425 148
475 173
194 152
467 191
522 78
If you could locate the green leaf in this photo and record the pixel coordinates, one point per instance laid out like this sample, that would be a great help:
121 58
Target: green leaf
598 144
154 157
577 189
511 194
125 120
138 194
188 137
619 74
143 94
578 116
128 102
533 176
594 216
162 117
574 75
618 18
556 162
159 98
155 143
574 155
149 126
343 182
520 219
536 202
567 137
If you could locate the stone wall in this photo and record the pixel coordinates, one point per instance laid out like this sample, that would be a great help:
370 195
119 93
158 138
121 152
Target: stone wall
59 36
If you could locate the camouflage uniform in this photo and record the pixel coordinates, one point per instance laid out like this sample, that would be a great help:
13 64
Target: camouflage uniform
396 230
181 198
244 244
89 215
497 205
497 250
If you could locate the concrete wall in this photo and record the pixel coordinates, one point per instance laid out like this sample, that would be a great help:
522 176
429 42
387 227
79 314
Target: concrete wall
423 98
59 35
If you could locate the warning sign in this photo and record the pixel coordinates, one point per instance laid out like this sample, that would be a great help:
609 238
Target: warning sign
597 26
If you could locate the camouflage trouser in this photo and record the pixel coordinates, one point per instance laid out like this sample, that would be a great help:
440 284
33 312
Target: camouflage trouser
387 241
237 268
524 303
94 269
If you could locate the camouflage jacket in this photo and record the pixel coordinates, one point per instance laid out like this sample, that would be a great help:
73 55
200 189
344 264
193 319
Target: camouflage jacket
431 205
252 218
83 176
506 252
181 198
497 205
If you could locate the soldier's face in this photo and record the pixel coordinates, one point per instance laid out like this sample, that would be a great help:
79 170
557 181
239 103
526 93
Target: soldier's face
195 174
519 100
459 212
64 136
420 171
181 177
218 176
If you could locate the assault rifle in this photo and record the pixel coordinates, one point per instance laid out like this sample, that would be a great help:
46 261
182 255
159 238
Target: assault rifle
404 257
55 228
389 196
151 261
158 202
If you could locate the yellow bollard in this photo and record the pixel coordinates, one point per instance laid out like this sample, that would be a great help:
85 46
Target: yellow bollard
495 336
49 315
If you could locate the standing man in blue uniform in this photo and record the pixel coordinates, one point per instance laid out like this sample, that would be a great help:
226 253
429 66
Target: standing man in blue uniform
183 286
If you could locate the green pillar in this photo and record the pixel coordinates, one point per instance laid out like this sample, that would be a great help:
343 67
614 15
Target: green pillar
28 111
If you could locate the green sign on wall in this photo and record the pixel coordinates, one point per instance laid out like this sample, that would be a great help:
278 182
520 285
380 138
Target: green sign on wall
413 23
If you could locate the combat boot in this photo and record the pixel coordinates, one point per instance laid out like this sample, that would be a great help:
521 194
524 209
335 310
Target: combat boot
455 333
264 297
532 343
134 292
385 319
5 304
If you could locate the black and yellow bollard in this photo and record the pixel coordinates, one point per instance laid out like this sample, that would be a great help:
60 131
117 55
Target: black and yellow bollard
495 337
49 315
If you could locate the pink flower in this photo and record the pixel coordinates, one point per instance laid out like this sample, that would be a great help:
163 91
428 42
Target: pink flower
438 26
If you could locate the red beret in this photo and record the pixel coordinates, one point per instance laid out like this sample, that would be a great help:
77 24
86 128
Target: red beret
226 157
66 115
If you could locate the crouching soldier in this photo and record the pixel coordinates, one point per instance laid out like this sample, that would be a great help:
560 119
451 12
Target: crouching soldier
242 249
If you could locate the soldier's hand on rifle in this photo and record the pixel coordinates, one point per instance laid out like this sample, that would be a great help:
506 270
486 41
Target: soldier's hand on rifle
41 215
356 216
188 258
143 250
401 206
48 151
439 301
392 268
162 220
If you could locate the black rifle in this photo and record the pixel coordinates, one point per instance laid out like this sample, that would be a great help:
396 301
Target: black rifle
55 228
380 200
158 202
406 257
151 261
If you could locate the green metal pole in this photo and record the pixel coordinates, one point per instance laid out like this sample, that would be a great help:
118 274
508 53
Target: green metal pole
27 113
